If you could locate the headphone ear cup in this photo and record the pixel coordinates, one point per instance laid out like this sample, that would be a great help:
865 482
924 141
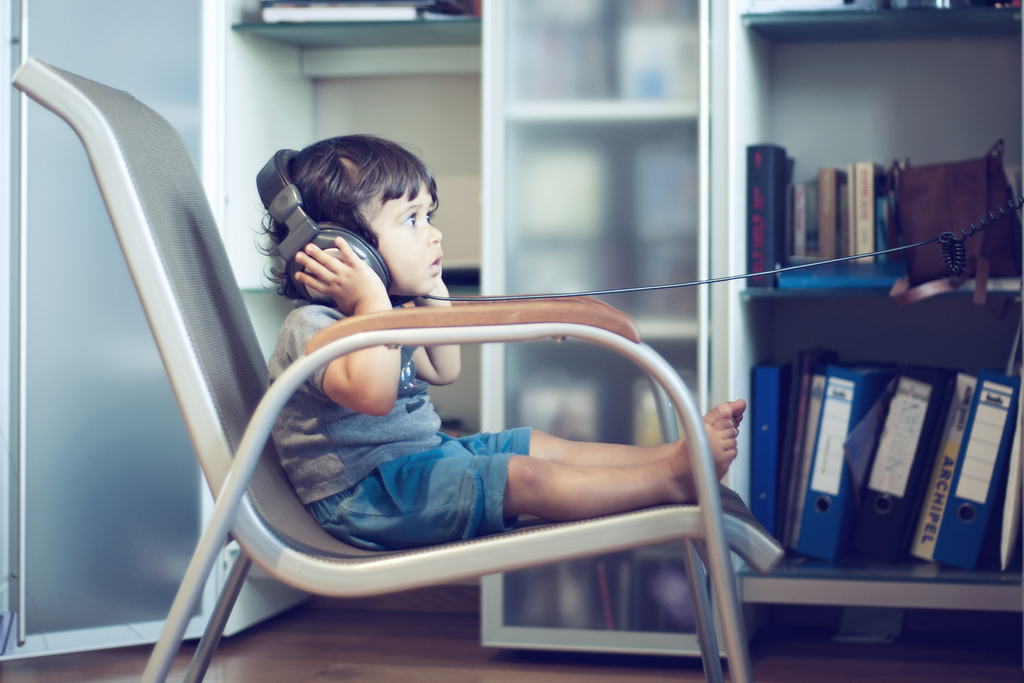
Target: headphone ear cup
363 249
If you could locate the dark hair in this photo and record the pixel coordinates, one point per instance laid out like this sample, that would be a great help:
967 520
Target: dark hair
340 176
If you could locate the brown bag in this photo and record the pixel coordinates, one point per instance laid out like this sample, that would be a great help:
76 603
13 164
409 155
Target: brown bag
948 197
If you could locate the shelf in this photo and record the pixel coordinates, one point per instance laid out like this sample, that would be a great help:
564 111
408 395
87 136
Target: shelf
997 287
909 584
419 33
627 111
978 22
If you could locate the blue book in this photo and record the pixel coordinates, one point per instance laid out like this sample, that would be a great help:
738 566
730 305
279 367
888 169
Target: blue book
980 470
770 402
844 275
830 505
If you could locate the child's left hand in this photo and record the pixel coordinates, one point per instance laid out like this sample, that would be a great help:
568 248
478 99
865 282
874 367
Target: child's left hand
344 277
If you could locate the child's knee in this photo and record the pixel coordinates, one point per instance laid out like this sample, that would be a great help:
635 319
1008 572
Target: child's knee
523 473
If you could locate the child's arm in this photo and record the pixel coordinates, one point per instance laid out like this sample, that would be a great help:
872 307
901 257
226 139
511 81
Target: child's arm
438 365
365 381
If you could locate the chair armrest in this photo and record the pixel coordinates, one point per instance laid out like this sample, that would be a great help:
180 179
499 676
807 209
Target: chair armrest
581 310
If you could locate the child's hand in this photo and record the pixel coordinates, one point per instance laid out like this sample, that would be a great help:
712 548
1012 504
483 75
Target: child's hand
343 277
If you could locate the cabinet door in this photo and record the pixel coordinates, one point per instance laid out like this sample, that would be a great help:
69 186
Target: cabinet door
596 146
111 495
594 178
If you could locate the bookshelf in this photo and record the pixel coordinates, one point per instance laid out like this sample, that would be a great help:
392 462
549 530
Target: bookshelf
285 85
832 88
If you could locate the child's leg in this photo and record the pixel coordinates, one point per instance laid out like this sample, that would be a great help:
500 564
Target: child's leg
553 484
585 454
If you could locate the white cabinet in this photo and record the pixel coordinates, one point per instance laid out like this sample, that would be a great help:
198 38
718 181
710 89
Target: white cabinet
595 177
832 88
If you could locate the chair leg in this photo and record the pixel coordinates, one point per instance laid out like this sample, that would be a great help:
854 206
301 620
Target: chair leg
702 613
740 668
218 620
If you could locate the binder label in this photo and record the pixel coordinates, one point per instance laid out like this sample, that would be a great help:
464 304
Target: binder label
829 457
934 505
983 446
898 443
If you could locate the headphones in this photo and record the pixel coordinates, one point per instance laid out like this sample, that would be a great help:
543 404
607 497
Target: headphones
284 204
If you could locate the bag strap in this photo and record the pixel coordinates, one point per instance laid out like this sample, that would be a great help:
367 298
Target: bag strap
902 293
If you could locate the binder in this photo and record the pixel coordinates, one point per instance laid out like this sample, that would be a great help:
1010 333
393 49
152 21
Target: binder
980 470
830 506
771 397
900 464
798 413
1012 505
933 501
802 470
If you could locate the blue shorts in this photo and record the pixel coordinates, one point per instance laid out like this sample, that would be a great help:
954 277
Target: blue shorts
453 492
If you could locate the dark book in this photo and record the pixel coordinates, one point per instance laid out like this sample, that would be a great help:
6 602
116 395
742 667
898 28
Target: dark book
793 444
767 190
768 413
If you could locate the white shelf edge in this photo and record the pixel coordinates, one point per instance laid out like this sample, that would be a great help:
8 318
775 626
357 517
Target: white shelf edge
604 110
390 61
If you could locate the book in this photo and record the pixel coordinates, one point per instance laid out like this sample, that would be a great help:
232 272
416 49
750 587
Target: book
768 414
831 182
758 6
817 398
804 405
932 506
275 11
853 274
804 231
905 449
767 182
865 180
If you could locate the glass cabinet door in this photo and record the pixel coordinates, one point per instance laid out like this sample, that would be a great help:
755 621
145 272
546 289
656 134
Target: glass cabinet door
593 143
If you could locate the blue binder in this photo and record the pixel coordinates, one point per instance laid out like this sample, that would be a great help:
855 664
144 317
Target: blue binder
771 399
980 470
830 507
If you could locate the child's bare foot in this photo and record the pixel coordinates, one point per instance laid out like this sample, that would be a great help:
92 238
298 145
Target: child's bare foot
722 426
722 423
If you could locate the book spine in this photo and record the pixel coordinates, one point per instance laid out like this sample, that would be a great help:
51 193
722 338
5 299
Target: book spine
766 212
799 220
828 206
864 210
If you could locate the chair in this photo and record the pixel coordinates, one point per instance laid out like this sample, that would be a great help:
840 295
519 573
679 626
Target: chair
218 373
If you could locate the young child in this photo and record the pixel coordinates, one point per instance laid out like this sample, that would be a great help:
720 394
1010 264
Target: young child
360 439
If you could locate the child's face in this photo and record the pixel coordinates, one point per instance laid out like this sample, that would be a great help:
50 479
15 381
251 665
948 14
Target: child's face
409 244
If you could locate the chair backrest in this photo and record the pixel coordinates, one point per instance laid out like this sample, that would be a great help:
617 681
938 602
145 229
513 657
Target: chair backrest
176 257
174 251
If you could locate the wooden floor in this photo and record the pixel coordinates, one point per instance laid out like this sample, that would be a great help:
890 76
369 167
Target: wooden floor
329 640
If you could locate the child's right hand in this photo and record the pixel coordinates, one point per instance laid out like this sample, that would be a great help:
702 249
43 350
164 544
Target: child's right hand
344 277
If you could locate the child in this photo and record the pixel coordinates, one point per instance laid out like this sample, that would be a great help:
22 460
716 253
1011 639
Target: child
360 439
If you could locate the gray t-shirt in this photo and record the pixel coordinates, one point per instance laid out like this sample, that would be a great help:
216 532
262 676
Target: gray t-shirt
325 448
